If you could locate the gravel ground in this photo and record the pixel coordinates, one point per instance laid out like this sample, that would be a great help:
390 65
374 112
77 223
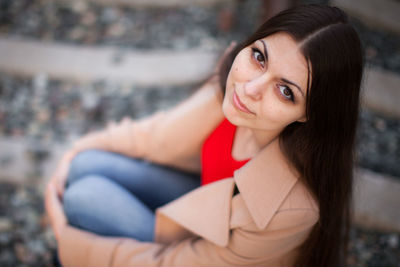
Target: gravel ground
53 110
381 49
378 143
78 22
47 111
207 28
25 240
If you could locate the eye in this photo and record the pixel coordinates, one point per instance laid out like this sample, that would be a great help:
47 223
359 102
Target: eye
286 92
258 56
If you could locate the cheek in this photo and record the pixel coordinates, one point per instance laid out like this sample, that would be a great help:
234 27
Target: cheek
279 114
273 112
240 70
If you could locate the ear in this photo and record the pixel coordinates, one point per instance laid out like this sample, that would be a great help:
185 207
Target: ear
302 119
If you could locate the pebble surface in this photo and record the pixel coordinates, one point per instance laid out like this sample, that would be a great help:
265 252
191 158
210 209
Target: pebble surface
26 240
45 110
206 28
88 23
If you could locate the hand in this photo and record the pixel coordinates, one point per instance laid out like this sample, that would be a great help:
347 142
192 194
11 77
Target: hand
224 55
214 79
55 211
59 177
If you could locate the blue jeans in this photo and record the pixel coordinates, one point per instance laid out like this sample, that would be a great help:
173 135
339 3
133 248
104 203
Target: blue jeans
113 195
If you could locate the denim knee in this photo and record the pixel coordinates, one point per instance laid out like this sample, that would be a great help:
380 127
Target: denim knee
98 205
83 163
75 201
82 197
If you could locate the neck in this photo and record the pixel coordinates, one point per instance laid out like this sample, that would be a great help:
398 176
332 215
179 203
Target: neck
263 138
258 139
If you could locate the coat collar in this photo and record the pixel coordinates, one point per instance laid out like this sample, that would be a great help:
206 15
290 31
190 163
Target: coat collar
263 182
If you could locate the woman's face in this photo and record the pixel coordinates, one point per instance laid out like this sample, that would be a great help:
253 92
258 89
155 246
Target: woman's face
266 86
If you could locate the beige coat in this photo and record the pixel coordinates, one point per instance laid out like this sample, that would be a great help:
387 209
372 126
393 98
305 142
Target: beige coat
263 225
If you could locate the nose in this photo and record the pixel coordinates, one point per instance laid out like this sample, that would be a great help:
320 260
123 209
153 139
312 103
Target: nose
256 87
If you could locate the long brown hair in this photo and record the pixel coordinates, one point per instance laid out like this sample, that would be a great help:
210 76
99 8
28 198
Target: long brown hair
322 148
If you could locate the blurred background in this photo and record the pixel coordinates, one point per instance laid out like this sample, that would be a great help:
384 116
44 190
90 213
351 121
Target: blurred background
69 67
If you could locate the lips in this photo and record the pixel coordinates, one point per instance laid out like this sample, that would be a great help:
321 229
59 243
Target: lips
239 105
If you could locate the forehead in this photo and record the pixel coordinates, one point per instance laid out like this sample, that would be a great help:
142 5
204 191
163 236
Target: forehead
285 58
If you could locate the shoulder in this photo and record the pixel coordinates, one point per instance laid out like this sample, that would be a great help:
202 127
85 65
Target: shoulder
298 207
299 210
207 95
288 228
300 197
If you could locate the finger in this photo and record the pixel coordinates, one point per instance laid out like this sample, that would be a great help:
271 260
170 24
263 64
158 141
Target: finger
49 201
111 124
55 208
125 120
48 206
232 44
224 55
59 209
230 47
61 177
50 210
60 189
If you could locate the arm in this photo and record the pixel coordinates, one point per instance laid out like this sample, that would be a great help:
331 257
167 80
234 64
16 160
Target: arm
173 137
286 231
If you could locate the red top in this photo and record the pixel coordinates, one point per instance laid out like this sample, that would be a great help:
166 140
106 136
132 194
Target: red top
216 155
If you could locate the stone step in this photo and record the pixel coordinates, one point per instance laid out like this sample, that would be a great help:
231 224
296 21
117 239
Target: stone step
158 3
14 161
377 201
89 23
382 91
376 196
20 160
152 68
82 63
376 13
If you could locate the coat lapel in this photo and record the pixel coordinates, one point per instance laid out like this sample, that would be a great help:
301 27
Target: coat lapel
204 211
263 182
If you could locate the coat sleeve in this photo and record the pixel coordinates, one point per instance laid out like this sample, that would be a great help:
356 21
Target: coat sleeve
172 137
247 246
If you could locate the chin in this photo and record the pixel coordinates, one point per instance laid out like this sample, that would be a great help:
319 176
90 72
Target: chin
230 113
227 108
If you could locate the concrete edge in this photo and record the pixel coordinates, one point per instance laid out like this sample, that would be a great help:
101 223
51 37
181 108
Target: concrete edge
376 13
381 91
381 88
157 3
17 163
376 201
83 63
376 196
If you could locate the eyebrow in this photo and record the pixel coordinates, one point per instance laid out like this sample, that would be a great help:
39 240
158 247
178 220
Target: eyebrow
265 49
292 83
282 79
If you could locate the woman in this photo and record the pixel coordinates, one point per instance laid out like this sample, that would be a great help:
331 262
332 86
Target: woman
272 140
